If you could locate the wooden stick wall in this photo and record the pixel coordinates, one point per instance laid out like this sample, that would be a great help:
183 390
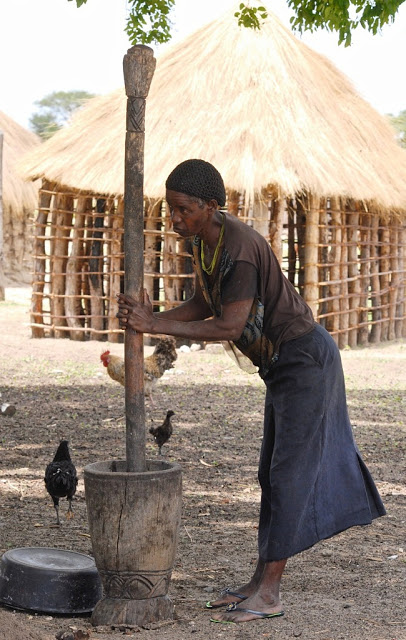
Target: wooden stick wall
359 259
348 263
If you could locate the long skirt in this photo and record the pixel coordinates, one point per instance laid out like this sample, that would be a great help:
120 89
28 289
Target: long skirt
314 482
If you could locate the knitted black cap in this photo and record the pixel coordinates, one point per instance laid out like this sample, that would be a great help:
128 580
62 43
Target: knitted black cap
198 178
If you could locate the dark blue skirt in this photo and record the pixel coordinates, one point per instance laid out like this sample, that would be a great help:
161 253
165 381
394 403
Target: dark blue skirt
314 482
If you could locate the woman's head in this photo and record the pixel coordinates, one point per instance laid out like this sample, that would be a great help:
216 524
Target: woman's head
199 179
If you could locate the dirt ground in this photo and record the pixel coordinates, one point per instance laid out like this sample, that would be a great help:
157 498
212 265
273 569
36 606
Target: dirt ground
351 586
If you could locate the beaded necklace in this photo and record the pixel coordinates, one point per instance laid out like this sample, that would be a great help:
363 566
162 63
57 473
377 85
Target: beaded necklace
209 270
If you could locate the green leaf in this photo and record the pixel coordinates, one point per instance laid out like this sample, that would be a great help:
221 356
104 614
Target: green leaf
148 20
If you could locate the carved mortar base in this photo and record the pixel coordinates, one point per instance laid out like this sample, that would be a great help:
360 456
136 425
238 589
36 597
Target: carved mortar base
134 520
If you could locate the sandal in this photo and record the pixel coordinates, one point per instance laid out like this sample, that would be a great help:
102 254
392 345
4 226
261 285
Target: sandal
225 592
260 614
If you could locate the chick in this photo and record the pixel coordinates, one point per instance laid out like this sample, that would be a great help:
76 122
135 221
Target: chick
61 479
163 432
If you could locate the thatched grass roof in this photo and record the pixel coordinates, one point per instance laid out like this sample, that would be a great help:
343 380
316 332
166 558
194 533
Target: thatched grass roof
19 196
262 106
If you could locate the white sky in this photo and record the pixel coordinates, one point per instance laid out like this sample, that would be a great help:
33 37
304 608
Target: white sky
51 45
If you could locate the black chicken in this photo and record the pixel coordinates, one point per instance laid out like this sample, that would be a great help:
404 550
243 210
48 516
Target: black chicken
163 432
61 479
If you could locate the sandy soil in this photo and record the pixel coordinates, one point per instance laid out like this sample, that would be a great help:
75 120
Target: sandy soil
352 586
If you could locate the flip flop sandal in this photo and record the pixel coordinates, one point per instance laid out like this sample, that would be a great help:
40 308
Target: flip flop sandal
233 607
225 592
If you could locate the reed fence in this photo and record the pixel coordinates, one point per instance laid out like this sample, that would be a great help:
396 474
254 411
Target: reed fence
347 262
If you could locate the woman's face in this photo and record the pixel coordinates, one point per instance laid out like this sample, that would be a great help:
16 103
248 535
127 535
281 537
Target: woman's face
188 217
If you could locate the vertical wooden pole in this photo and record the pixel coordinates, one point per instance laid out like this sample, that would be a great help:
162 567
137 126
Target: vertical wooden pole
344 303
333 324
323 260
301 203
115 227
39 264
375 335
139 66
62 221
96 269
153 223
354 284
261 214
311 275
169 265
384 244
276 227
292 246
400 324
2 278
365 264
394 276
73 288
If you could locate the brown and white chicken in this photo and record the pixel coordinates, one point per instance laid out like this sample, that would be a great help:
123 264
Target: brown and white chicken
155 365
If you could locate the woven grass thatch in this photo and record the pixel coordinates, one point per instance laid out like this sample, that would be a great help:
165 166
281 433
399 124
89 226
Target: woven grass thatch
262 106
19 196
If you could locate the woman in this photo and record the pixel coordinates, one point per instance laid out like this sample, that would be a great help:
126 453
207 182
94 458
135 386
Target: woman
314 483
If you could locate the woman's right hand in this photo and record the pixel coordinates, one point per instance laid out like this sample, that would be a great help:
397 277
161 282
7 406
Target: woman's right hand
134 315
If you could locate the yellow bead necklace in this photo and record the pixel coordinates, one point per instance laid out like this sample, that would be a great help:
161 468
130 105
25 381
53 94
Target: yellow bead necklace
209 270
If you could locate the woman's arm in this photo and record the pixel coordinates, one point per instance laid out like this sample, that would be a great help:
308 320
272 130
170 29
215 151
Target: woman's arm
190 320
196 308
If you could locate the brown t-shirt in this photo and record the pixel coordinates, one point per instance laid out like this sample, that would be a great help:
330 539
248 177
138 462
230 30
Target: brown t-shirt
255 271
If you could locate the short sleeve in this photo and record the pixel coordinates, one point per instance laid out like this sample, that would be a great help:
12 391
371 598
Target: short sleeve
240 283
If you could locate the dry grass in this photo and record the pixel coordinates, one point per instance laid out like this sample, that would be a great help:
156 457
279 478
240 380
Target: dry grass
19 196
262 106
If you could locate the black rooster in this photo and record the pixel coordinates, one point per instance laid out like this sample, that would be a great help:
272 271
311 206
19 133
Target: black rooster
61 479
163 432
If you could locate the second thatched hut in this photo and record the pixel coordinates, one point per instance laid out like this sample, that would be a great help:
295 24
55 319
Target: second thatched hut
19 200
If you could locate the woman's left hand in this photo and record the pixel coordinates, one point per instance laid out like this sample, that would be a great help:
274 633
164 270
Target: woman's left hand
135 315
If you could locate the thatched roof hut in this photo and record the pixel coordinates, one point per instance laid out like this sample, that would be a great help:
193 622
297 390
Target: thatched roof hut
20 199
260 105
301 153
